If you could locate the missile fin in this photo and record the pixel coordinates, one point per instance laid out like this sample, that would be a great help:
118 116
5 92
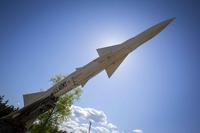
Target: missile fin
79 68
32 97
106 50
111 69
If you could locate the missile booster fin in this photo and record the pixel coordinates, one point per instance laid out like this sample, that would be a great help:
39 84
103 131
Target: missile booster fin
107 50
111 69
32 97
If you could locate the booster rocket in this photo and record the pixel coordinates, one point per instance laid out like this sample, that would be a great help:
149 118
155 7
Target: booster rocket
109 60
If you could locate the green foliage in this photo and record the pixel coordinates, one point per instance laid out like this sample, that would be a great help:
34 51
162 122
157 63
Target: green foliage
57 78
5 109
48 122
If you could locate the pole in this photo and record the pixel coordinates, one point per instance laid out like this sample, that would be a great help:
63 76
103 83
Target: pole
90 124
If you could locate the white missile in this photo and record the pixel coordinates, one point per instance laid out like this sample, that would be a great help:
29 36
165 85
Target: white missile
109 60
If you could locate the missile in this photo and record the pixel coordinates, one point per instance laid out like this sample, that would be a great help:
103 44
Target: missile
109 60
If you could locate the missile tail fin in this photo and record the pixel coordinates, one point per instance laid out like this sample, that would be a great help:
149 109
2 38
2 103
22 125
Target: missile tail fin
111 69
106 50
32 97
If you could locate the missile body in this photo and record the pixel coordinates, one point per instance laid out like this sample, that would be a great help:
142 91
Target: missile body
109 59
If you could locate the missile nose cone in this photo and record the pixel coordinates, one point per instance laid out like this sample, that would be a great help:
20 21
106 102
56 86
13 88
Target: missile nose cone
166 22
172 18
159 27
146 35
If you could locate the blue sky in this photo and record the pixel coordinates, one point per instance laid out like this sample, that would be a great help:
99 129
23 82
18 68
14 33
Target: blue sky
156 88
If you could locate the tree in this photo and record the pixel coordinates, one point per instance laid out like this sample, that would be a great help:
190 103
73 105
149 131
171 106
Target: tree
48 122
5 109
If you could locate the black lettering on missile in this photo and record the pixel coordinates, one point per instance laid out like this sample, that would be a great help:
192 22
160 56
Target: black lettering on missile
65 84
57 89
74 82
61 86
